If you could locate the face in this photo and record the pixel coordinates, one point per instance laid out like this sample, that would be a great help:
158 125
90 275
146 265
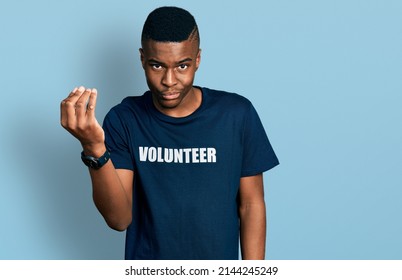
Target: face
170 69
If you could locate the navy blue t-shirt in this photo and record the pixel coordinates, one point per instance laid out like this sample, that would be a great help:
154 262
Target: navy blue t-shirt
187 173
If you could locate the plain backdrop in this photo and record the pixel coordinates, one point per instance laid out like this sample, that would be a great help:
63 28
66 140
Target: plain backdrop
325 77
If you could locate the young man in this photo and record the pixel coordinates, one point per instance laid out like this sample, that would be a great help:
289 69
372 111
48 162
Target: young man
185 170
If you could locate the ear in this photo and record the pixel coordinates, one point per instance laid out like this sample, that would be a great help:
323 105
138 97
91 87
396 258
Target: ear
198 59
142 57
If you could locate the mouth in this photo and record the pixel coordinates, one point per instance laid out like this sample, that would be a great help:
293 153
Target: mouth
170 95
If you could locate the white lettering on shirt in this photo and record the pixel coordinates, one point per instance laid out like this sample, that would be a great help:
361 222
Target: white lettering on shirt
169 155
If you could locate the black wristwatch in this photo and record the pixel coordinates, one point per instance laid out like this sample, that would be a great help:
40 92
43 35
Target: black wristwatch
93 162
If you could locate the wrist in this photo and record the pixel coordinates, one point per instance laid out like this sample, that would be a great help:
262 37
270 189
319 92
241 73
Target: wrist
95 163
94 150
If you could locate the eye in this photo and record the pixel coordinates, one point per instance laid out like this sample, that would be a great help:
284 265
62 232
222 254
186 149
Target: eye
183 66
156 66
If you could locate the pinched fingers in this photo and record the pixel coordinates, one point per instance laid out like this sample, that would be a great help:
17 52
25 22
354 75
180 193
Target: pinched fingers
78 107
67 108
92 103
81 106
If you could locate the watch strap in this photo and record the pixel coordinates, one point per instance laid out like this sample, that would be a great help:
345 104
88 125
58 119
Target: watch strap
93 162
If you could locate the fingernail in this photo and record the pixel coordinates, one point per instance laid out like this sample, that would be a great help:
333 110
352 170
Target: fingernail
81 88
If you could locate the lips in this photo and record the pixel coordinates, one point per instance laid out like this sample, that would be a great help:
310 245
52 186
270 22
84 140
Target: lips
170 95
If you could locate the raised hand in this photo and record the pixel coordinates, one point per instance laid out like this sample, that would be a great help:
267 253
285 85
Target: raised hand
112 188
78 118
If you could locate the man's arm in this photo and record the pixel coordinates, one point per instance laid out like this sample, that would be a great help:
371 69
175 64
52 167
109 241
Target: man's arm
112 194
252 217
112 188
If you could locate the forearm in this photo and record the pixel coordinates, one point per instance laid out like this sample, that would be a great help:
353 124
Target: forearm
112 189
253 230
110 196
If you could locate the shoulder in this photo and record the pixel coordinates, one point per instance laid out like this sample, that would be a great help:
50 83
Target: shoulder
227 99
129 105
131 110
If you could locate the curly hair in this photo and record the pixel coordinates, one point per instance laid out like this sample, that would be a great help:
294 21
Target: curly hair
170 24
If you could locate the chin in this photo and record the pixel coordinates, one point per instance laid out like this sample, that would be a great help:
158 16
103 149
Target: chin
169 104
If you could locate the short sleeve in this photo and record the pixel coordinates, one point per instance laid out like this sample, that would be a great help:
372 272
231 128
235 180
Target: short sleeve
117 141
258 154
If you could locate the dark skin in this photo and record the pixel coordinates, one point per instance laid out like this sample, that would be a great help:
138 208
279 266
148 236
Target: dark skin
170 69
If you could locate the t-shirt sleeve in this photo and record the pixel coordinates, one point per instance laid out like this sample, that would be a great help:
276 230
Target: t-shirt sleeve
116 139
258 155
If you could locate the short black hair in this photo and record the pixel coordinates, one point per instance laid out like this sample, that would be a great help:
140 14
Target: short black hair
170 24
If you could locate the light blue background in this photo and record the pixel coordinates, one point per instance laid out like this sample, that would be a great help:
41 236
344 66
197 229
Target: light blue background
325 77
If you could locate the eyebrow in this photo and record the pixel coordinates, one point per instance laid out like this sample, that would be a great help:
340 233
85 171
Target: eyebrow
161 63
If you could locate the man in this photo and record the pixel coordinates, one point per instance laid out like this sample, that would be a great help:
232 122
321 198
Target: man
185 170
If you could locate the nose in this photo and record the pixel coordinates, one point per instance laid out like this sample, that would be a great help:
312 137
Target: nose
169 78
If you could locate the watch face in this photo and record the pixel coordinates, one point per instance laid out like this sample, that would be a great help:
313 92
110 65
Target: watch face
95 163
91 162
